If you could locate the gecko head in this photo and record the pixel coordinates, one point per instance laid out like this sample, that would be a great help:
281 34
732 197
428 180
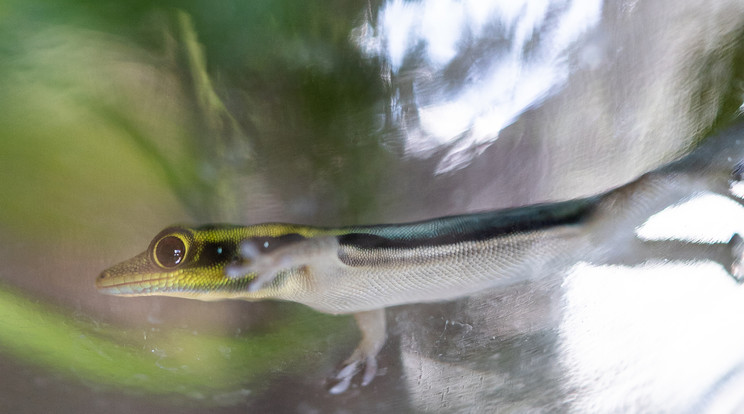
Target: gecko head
180 261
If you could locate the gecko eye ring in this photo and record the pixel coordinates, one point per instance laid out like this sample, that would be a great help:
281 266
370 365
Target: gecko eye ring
170 250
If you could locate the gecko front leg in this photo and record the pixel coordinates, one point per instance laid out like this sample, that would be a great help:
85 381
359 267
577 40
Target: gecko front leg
266 257
266 261
372 325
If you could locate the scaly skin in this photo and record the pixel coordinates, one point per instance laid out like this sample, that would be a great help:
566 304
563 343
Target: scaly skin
364 269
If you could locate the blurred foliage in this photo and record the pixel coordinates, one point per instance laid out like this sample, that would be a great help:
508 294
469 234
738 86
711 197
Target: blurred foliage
185 96
119 118
161 362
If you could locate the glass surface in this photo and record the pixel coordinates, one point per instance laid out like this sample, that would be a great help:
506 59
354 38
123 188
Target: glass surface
118 119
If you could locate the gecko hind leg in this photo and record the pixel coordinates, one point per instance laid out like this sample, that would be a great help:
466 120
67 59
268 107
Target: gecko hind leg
730 255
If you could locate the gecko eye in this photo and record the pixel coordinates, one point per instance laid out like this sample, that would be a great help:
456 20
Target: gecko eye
169 251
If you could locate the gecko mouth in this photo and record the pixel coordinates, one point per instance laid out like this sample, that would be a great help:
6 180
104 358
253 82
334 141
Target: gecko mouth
144 285
137 285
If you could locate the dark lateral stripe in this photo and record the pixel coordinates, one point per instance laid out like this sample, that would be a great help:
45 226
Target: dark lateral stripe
470 227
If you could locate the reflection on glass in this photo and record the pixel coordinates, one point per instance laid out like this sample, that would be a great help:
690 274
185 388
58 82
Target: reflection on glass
121 119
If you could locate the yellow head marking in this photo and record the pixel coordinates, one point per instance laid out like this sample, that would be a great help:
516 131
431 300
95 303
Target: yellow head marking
180 261
190 262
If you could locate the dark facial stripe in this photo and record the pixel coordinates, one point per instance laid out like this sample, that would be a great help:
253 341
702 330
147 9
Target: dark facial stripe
223 252
215 253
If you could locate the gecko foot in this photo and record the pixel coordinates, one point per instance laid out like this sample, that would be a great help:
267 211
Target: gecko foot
351 367
364 358
737 252
264 265
267 257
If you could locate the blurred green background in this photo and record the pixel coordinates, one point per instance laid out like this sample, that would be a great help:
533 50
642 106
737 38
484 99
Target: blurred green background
120 118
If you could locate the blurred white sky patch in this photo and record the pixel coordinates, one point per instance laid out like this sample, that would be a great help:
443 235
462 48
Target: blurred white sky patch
704 218
507 57
658 335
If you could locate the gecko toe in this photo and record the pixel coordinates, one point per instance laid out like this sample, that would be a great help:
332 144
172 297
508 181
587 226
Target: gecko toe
370 370
736 245
236 270
249 250
342 380
341 386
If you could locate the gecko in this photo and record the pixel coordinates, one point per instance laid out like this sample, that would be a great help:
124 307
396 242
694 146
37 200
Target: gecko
362 270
